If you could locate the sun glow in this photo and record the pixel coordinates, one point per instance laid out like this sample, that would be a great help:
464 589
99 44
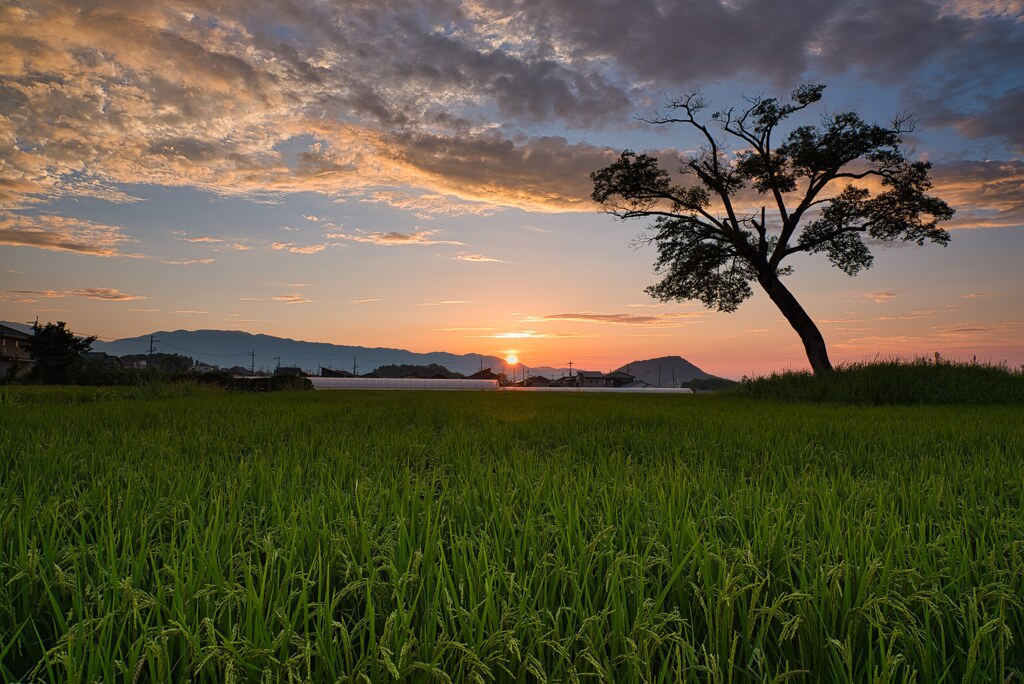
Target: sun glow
512 359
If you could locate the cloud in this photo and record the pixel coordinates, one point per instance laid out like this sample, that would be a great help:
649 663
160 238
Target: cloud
101 293
190 311
448 302
183 262
431 205
986 194
297 249
656 320
527 335
394 238
294 298
976 295
59 233
880 297
443 118
212 240
364 301
478 258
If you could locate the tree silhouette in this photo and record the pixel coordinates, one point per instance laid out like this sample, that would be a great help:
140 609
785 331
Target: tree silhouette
56 353
710 248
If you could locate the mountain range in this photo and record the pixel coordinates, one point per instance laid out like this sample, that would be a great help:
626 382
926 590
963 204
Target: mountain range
228 348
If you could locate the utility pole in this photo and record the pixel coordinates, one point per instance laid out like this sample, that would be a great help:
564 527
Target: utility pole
252 366
353 364
570 368
277 359
659 375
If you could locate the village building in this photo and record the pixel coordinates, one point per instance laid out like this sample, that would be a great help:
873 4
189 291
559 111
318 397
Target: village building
598 379
326 372
14 357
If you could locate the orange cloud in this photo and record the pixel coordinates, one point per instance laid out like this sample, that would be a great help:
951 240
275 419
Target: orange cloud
57 233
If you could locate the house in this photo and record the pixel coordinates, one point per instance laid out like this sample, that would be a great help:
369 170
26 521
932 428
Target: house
200 367
590 379
334 373
485 374
14 356
536 381
293 371
597 379
240 371
619 379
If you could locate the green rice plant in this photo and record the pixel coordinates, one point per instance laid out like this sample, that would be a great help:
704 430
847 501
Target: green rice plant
506 537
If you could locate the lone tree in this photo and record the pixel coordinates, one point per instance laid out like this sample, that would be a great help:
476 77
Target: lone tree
56 354
712 242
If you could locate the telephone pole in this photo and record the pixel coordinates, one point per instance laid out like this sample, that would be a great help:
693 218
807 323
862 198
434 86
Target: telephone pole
570 368
353 364
252 366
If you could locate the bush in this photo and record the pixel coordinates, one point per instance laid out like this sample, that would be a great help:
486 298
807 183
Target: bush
920 381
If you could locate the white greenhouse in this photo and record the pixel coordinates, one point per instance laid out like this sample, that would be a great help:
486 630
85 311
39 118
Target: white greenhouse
403 384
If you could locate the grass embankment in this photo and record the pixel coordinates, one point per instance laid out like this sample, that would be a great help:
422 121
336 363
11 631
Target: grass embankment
894 382
506 537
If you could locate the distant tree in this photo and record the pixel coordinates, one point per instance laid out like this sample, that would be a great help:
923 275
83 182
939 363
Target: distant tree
162 362
56 354
712 242
408 369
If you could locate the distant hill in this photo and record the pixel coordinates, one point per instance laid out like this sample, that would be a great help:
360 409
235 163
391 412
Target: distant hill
666 371
227 348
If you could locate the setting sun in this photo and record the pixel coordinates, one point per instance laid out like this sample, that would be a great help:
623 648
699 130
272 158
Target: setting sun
512 359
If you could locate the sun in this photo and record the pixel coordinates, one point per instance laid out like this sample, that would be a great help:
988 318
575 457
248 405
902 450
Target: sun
511 359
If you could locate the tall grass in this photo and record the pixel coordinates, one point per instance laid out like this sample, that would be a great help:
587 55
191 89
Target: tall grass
895 381
506 537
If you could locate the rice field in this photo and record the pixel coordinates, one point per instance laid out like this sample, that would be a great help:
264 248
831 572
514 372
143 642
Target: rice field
186 535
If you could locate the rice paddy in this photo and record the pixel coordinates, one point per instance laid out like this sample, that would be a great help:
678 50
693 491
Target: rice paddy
190 535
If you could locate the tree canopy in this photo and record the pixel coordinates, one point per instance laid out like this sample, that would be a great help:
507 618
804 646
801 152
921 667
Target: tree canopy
56 353
734 217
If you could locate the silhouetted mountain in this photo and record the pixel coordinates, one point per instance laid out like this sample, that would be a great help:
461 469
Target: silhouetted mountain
667 371
228 348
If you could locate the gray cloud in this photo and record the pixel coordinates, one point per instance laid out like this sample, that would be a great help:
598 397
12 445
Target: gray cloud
358 99
101 293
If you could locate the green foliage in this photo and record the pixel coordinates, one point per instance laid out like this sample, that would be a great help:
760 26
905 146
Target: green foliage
920 381
506 537
56 354
711 384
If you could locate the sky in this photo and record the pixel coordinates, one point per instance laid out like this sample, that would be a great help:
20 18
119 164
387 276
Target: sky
415 174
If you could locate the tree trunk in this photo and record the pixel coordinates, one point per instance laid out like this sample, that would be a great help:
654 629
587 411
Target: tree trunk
814 343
